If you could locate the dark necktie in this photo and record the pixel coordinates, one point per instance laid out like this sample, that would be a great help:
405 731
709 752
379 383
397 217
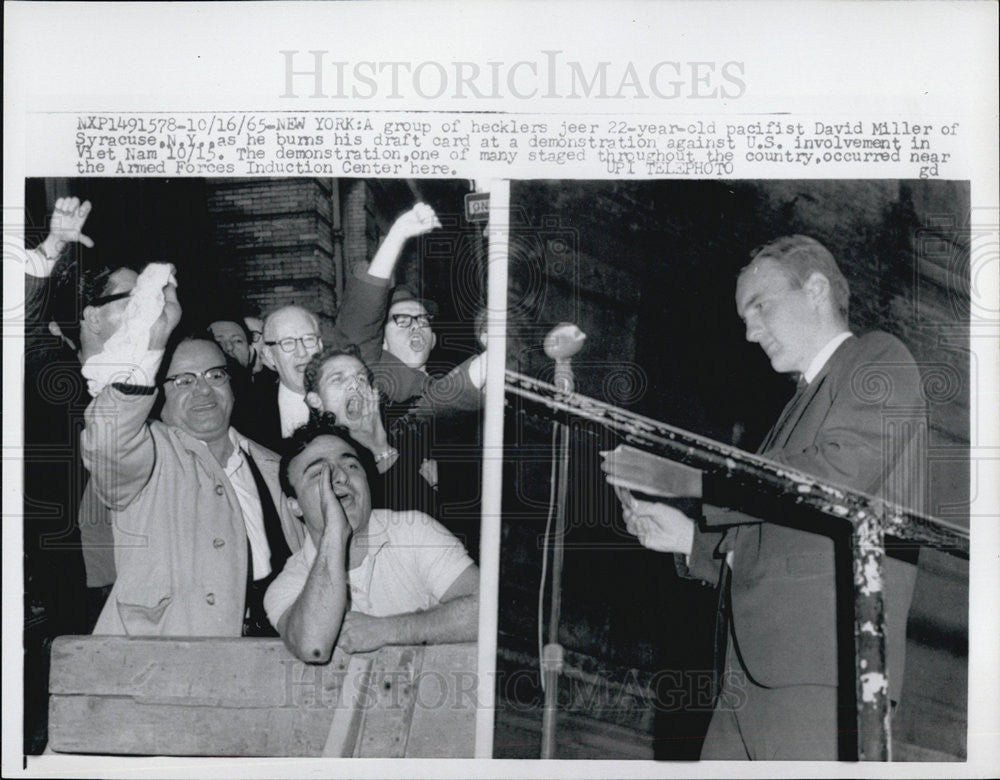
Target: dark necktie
272 523
800 388
256 623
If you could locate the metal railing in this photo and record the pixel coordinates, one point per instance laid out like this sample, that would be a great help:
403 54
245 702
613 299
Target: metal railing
869 520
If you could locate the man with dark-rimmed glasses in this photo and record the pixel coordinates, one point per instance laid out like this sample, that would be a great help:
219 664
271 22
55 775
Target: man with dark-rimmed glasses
71 308
200 529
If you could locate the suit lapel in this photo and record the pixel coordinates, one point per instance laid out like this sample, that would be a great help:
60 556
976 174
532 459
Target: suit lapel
794 411
783 418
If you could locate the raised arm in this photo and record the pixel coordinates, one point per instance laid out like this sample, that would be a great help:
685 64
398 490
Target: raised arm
65 227
461 389
310 626
366 295
116 443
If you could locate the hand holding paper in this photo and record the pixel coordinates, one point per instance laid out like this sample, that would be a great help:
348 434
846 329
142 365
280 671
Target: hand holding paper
659 527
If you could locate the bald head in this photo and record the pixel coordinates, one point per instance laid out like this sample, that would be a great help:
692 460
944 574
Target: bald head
291 338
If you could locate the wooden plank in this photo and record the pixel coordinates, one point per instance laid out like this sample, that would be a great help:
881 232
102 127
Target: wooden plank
444 714
341 741
220 672
244 697
117 725
390 712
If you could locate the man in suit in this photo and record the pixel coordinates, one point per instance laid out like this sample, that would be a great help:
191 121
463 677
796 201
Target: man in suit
778 585
255 390
291 338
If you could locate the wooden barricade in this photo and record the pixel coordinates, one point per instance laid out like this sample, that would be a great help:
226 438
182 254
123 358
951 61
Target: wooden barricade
251 697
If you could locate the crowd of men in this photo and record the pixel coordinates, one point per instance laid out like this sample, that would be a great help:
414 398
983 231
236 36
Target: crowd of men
241 478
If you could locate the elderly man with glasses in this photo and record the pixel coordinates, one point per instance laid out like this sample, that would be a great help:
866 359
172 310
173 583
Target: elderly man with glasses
291 337
200 529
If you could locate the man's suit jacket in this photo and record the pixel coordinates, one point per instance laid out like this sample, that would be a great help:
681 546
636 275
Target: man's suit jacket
256 414
857 424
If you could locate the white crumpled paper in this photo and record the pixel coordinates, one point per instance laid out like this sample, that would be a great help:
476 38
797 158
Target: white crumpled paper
126 356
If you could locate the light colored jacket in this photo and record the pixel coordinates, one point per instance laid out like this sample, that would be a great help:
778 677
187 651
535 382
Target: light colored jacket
180 542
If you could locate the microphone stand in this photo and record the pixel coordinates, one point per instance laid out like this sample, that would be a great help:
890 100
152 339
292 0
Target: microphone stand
561 344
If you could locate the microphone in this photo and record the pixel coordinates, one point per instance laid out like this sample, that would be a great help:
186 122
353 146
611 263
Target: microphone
561 343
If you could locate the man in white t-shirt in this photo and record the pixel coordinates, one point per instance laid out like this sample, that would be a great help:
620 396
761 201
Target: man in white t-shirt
364 578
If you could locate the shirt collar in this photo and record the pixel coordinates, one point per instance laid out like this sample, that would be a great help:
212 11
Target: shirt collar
292 409
377 537
824 355
236 456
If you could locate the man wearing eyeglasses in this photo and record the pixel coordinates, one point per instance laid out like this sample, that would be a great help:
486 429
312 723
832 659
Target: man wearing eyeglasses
200 528
408 335
71 310
394 334
291 337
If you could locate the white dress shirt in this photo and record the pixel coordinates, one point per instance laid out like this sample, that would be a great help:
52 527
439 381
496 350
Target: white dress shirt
292 410
824 355
243 483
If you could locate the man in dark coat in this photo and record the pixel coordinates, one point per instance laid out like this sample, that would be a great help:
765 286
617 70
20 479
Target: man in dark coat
778 582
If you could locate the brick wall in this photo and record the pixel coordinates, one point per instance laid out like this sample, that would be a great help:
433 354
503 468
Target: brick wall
278 241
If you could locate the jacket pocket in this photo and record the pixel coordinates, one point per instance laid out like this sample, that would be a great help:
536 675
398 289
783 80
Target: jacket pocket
143 619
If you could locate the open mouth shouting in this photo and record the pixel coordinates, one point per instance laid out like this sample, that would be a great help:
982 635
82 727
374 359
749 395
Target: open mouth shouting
354 407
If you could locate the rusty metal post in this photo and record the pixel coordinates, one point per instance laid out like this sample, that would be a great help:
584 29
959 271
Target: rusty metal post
874 729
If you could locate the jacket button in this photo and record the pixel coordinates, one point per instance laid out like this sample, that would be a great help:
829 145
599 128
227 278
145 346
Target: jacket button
217 542
219 490
210 598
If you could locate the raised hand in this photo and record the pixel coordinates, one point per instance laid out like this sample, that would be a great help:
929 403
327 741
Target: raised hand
67 222
168 319
334 519
415 222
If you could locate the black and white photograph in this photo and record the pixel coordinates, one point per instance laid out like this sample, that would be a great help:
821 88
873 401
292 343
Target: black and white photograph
454 389
288 445
691 599
252 411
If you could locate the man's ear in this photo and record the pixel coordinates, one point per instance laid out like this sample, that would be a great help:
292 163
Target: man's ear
314 401
91 319
293 506
385 345
434 340
265 355
817 287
